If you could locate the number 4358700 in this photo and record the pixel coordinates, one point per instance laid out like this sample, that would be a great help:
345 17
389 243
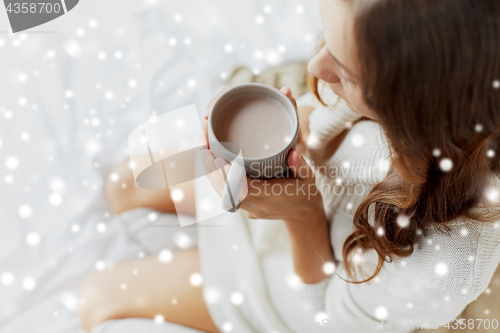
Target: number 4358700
32 7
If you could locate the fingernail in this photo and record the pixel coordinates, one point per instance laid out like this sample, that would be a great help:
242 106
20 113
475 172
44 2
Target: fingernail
206 113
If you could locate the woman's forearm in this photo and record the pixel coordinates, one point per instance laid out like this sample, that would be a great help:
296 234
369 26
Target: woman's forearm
304 112
311 248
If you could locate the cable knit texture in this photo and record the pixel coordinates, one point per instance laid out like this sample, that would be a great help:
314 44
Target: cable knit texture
253 257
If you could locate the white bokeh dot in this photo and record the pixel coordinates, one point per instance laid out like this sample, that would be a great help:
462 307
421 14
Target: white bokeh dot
100 265
177 195
153 216
114 177
11 162
159 319
329 268
165 256
29 283
108 95
237 298
25 136
101 227
227 327
403 221
22 77
446 164
25 211
55 199
357 140
182 240
80 32
196 279
441 269
320 317
33 239
7 278
207 204
381 312
492 194
212 295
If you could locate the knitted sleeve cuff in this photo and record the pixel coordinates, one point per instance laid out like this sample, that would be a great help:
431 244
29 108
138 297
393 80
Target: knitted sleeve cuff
326 122
314 294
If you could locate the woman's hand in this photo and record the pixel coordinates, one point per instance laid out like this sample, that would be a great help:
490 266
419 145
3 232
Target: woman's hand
303 131
290 199
293 199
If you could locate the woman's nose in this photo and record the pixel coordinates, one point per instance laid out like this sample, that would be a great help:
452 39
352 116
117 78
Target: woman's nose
321 67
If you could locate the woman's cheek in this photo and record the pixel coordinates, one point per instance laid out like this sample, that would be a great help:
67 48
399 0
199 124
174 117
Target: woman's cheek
360 106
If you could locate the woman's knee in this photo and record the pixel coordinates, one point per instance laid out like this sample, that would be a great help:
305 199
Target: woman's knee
95 306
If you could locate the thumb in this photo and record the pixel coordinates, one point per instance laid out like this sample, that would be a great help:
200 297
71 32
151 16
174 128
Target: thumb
298 165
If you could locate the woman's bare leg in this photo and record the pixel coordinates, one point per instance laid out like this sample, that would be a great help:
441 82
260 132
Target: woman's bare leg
123 194
147 288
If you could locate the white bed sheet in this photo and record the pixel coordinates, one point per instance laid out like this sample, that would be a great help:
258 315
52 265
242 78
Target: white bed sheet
71 92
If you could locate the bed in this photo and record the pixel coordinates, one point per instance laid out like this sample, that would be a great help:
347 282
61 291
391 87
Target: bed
72 90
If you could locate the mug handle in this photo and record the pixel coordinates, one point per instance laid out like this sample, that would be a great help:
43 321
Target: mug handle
233 185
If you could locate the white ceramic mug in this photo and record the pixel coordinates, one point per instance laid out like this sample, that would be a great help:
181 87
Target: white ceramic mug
271 166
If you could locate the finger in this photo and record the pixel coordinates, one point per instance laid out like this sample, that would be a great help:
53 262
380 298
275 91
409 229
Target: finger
207 160
288 92
212 101
298 165
204 134
217 179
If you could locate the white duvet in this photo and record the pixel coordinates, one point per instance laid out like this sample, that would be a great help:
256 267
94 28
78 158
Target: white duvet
71 92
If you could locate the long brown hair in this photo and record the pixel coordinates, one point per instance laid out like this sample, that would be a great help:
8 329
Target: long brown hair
430 71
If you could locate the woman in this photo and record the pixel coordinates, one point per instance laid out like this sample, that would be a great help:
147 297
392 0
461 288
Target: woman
404 228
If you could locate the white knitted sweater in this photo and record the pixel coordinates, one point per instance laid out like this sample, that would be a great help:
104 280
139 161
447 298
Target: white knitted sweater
247 267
